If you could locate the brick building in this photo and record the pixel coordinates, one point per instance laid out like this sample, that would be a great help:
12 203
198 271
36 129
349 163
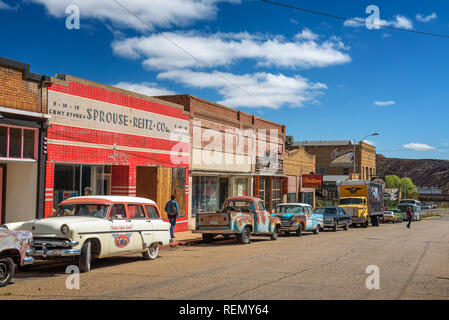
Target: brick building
233 153
298 163
115 142
23 125
335 161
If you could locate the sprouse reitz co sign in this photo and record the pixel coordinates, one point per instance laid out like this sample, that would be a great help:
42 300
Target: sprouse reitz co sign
66 109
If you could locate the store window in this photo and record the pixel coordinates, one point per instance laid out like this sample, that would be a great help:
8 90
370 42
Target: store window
291 197
307 197
276 193
262 190
240 187
18 143
205 194
71 179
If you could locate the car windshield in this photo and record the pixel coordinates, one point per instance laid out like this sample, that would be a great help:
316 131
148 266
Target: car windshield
85 210
326 211
351 201
289 209
404 207
239 205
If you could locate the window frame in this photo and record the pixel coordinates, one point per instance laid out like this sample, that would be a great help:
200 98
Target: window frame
157 210
8 142
136 218
110 211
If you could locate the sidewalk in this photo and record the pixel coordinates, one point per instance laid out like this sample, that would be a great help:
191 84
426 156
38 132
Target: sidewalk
183 239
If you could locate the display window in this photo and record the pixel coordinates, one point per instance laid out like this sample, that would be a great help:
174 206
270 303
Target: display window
18 143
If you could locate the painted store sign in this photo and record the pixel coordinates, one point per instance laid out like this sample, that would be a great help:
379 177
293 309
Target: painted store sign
75 111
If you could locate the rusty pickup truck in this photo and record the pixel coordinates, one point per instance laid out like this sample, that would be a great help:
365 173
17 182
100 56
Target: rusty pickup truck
14 249
240 216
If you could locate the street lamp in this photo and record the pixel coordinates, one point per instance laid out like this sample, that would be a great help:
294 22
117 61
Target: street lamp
370 135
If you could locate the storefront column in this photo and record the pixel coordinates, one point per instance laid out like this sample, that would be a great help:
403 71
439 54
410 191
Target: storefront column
49 181
123 181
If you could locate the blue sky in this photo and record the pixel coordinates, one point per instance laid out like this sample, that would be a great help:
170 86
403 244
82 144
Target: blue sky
322 78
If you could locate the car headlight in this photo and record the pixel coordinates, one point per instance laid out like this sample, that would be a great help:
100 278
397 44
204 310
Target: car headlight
65 229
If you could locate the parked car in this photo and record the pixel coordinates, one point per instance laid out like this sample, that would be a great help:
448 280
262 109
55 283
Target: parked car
298 217
389 216
14 250
417 212
334 217
398 213
241 216
97 227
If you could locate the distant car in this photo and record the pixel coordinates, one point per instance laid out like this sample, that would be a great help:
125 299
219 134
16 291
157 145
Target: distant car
434 206
96 227
389 216
334 217
398 213
14 249
416 210
298 217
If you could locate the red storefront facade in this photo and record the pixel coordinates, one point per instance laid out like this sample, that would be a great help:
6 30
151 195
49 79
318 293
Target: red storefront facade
115 142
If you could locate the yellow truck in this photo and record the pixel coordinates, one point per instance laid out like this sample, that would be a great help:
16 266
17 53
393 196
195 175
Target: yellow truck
362 200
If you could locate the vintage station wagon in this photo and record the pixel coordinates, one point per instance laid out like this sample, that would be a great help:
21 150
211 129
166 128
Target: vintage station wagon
97 227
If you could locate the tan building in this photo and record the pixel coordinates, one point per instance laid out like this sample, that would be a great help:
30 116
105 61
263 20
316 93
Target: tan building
233 153
23 128
335 162
298 162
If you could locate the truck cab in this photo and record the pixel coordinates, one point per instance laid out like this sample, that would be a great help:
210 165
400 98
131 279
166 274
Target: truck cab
240 216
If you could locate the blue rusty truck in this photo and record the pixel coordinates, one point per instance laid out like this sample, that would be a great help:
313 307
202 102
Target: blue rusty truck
240 216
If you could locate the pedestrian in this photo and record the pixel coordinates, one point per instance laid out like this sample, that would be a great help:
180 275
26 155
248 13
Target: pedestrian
409 216
87 191
172 209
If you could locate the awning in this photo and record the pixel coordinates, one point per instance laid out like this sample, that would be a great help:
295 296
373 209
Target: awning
345 160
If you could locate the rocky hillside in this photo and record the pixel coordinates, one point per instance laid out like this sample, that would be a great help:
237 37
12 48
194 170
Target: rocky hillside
424 173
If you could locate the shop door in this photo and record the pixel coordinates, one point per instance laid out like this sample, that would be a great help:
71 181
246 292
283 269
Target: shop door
223 190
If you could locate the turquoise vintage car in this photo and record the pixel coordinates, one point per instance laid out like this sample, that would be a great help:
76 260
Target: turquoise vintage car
293 215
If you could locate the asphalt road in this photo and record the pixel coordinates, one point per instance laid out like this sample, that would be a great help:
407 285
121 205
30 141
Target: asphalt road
413 264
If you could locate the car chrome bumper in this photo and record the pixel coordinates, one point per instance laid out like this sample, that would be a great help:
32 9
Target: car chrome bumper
56 253
292 227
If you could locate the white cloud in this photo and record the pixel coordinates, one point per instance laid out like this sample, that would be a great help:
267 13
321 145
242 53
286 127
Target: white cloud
398 22
384 103
6 6
161 13
418 147
223 49
251 90
428 18
307 34
146 88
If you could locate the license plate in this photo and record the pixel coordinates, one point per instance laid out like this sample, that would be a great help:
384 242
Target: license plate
213 222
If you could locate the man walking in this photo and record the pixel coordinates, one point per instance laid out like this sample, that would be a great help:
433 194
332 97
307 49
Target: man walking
172 210
409 216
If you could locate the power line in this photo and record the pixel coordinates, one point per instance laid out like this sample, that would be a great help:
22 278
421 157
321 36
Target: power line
188 53
352 20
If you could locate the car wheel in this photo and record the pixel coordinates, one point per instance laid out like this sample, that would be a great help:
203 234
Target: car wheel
346 227
299 231
7 269
245 236
152 252
207 237
317 229
85 257
275 233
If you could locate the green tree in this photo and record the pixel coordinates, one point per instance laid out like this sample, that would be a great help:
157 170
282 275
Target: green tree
393 181
409 190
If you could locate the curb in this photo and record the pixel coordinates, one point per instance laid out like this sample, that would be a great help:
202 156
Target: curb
181 243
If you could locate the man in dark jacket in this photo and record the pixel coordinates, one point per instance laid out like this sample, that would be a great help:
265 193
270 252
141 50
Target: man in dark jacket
172 209
409 216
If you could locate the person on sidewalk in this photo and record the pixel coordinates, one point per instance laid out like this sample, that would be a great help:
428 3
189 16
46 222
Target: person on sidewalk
409 216
172 209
